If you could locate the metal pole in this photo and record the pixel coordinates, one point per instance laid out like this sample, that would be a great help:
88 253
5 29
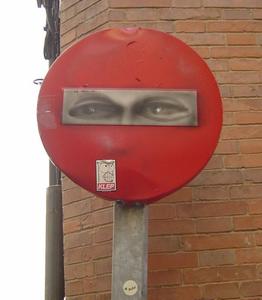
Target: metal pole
54 259
54 265
130 247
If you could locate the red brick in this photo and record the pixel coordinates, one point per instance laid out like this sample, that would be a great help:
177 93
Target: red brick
163 227
75 194
246 90
185 293
92 24
257 13
245 64
100 284
236 52
73 288
67 3
218 274
142 14
248 223
248 117
71 226
234 26
218 64
221 291
211 193
86 297
243 161
255 206
190 26
237 14
227 147
67 183
214 225
218 241
216 162
162 211
104 296
228 118
217 258
187 3
73 255
94 10
172 261
211 209
116 14
241 39
68 38
258 237
242 132
67 14
189 13
103 266
163 244
103 217
98 203
202 51
251 288
218 177
197 39
250 146
72 23
160 26
97 251
103 234
76 208
242 104
246 256
77 271
182 195
84 4
232 3
159 278
246 192
236 77
77 239
87 221
253 175
140 3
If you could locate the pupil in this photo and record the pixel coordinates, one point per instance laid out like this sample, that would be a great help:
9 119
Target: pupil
90 110
157 110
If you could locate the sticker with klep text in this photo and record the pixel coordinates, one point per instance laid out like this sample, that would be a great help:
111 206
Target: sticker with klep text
106 175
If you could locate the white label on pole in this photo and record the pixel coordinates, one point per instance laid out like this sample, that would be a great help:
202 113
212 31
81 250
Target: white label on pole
105 175
130 288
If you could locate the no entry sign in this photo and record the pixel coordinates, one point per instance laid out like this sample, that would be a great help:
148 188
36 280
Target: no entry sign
130 114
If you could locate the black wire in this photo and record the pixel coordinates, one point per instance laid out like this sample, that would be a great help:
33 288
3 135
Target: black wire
52 28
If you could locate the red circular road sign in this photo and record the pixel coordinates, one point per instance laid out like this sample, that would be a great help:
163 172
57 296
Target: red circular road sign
162 83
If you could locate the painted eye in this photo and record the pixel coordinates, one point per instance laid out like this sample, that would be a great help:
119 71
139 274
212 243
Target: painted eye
94 109
162 110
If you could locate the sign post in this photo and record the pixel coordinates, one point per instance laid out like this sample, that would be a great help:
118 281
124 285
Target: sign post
130 247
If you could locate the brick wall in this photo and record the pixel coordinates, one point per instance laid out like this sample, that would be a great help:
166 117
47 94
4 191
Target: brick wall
206 239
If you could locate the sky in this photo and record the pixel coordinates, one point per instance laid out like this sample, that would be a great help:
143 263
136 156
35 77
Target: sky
23 161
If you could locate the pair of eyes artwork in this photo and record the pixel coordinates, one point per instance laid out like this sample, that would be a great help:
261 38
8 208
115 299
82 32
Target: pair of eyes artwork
130 107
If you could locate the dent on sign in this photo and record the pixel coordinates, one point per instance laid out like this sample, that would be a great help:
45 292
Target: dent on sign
130 107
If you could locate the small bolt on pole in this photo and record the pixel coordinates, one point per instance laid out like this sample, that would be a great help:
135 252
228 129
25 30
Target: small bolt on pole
130 247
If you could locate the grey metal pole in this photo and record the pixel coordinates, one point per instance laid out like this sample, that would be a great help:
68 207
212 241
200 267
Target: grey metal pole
54 259
54 265
130 247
